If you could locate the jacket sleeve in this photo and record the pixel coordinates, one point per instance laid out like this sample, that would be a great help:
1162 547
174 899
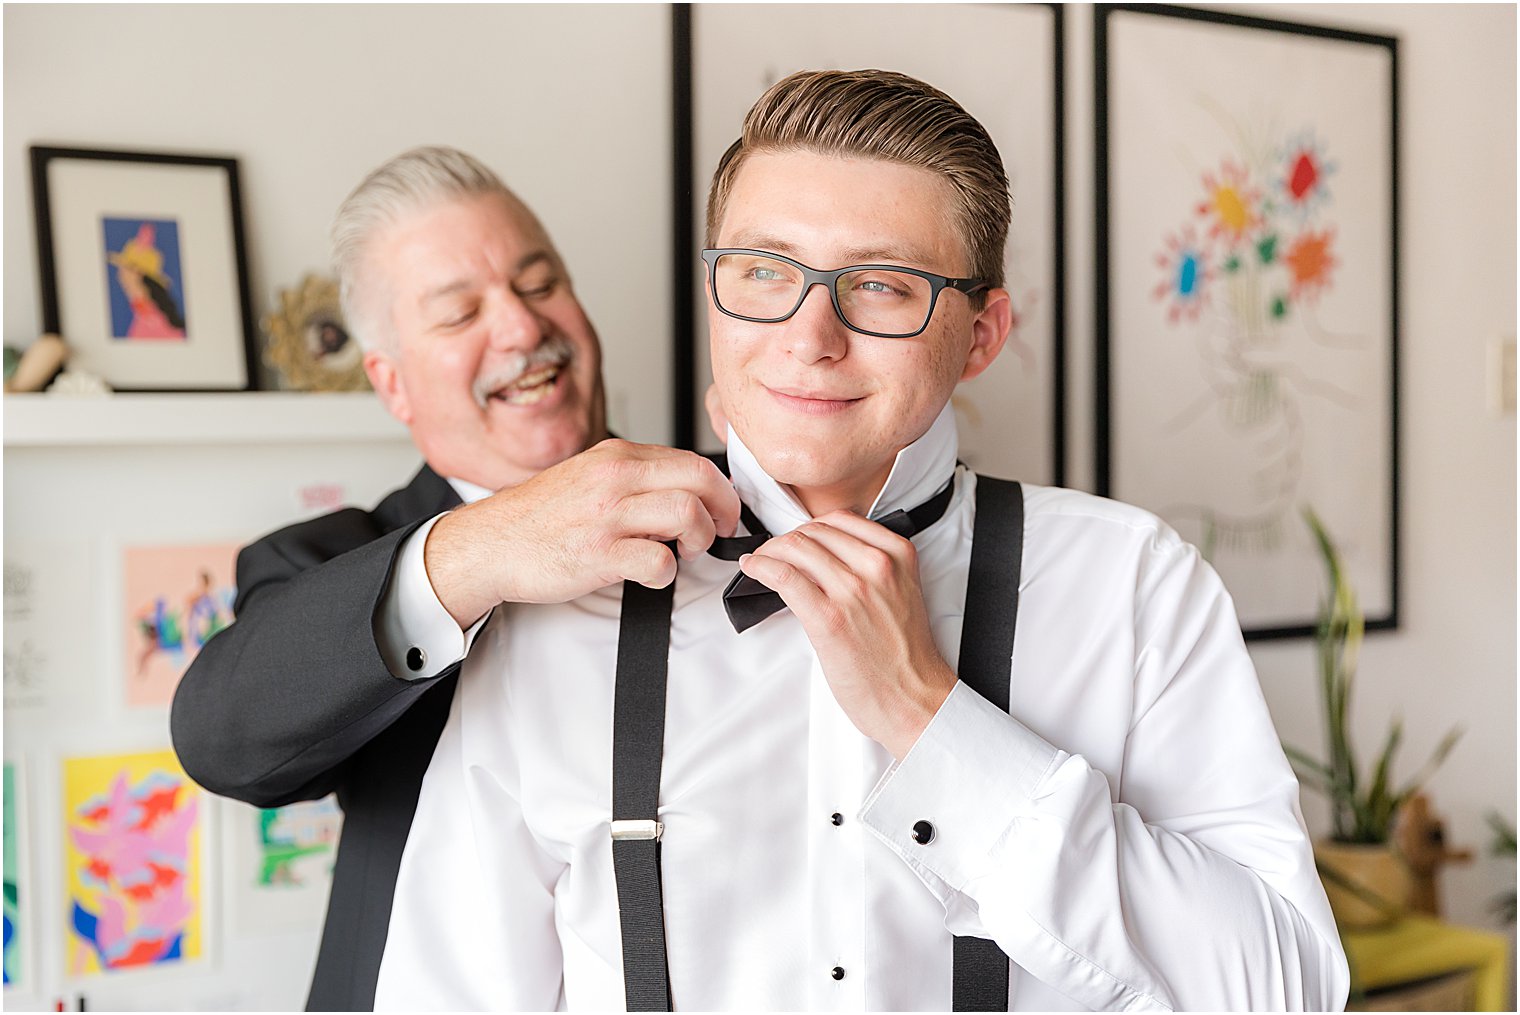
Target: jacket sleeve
1184 881
273 707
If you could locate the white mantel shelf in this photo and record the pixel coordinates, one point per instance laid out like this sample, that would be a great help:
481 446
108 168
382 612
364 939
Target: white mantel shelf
247 417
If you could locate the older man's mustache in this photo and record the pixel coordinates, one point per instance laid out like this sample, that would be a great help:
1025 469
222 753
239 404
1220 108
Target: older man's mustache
553 353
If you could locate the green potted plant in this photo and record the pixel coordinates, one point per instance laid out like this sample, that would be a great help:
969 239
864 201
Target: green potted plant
1367 882
1503 845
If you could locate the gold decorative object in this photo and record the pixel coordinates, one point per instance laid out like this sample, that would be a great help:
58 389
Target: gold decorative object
309 344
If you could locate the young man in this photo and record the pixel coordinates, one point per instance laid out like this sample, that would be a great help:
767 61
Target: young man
338 672
822 811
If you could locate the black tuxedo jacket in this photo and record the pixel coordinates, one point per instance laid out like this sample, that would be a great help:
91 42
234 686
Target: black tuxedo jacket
293 701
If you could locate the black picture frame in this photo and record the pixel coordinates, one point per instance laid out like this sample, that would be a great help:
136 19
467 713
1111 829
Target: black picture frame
1354 486
82 196
688 186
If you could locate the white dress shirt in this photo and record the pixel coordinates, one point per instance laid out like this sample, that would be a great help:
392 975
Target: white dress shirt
1129 835
409 615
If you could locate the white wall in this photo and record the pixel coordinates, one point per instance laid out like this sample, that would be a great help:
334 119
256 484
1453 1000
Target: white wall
570 103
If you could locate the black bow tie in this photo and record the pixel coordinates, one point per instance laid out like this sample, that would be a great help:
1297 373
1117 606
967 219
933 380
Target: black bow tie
748 601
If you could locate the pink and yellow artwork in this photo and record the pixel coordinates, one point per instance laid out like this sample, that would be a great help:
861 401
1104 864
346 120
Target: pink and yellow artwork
132 829
176 598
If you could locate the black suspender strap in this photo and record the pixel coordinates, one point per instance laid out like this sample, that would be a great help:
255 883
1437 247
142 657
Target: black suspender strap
992 589
638 745
638 740
980 980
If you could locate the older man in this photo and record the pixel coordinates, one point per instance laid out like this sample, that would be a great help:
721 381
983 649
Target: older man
339 671
878 798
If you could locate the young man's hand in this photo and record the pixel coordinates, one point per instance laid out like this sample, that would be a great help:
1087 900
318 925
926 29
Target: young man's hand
854 586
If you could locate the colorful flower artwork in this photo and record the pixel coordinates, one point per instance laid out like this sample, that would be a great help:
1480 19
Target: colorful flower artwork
1303 171
1261 242
177 598
1253 255
132 862
1187 274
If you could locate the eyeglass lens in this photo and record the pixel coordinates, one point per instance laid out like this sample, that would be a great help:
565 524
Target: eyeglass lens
872 299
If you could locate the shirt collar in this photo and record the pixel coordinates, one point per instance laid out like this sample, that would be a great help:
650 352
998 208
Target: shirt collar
918 473
468 492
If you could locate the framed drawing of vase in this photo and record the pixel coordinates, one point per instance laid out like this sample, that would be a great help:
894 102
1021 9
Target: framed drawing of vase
1247 297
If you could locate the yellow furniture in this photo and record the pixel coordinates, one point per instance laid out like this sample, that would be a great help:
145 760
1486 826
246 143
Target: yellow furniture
1420 948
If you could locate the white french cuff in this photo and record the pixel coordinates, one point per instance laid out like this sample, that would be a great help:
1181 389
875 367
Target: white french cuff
417 637
972 774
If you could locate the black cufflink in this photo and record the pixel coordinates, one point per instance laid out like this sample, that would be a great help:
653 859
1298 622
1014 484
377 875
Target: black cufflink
416 659
923 833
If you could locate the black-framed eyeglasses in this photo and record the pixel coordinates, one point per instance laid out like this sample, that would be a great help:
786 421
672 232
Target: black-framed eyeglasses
881 300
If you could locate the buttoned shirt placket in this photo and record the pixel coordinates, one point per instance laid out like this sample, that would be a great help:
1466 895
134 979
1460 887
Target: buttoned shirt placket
836 853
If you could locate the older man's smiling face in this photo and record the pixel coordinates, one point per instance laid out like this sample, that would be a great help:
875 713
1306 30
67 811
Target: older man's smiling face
494 365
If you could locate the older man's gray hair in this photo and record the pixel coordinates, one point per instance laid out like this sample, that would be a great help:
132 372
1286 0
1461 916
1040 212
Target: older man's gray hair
412 181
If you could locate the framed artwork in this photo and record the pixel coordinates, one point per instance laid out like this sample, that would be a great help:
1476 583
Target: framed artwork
176 598
1003 63
132 863
49 590
17 939
279 862
26 655
144 267
309 343
1247 297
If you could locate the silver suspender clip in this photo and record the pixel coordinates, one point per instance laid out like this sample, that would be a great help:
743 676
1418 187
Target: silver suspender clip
639 828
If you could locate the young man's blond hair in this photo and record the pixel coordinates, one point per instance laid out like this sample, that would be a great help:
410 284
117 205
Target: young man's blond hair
878 114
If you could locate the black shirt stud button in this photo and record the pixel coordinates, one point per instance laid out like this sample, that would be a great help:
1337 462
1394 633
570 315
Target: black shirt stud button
836 818
837 972
923 833
416 659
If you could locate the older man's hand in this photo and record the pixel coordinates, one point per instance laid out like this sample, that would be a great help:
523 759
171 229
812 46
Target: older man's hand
595 519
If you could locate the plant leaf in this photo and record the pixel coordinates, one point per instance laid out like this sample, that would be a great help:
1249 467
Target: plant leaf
1314 774
1504 834
1303 760
1442 750
1379 804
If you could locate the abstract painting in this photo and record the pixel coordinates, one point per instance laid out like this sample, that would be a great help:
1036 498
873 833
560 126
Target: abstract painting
297 841
12 880
176 599
132 831
280 861
1247 325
